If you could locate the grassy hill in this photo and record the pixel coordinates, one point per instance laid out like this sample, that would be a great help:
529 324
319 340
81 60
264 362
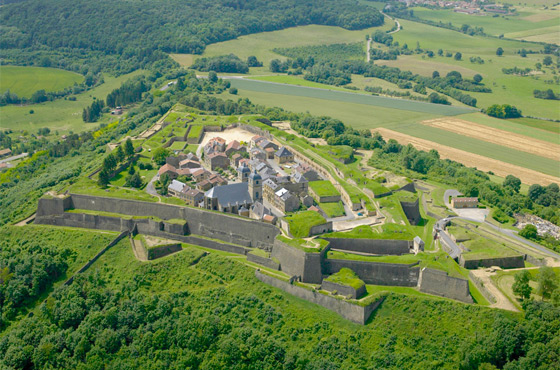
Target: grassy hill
24 81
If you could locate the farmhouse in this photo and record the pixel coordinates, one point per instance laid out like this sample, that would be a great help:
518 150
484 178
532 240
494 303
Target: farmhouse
463 202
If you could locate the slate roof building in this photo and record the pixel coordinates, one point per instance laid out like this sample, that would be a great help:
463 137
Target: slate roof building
228 198
175 189
283 155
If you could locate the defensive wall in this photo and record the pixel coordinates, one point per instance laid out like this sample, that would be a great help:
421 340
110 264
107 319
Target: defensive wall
162 250
371 246
377 273
263 261
412 211
343 290
503 262
230 229
480 285
307 267
353 312
324 199
440 283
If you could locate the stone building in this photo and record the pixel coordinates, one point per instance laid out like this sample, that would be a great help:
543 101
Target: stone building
255 186
176 189
243 173
283 155
169 170
464 202
228 198
217 160
234 147
194 197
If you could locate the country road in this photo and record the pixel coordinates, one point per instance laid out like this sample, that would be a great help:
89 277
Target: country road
368 54
396 21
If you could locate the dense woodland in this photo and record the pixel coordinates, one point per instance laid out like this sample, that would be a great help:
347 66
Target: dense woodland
120 36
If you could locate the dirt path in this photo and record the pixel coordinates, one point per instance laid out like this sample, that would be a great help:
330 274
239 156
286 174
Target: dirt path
485 164
496 136
368 54
501 300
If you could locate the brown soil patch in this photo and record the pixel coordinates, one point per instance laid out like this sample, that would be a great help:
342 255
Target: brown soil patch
496 136
485 164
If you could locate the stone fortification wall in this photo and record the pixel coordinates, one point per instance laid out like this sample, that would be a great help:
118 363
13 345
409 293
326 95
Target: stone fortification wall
231 229
412 211
439 283
324 199
349 311
327 227
308 267
326 175
480 285
377 273
371 246
254 130
163 250
263 261
503 262
344 290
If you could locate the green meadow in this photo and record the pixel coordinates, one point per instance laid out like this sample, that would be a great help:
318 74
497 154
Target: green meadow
24 81
506 89
60 115
261 44
526 23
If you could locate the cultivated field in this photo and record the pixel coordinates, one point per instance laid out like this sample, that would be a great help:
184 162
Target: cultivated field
261 44
24 81
486 164
61 115
492 135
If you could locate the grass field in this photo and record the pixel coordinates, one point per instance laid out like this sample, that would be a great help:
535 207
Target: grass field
60 115
527 23
511 89
261 44
333 209
24 81
323 188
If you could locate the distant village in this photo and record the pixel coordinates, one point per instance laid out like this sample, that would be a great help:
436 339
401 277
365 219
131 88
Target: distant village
258 179
475 7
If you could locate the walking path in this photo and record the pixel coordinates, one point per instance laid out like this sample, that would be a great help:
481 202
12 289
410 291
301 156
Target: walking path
396 21
501 300
22 155
368 54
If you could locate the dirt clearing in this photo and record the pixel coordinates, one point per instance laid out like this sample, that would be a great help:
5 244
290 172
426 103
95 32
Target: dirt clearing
496 136
485 164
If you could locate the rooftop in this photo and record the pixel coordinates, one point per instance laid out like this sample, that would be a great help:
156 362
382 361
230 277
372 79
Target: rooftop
231 194
283 152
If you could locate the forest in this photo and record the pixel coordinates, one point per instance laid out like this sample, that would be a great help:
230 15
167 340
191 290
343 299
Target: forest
120 36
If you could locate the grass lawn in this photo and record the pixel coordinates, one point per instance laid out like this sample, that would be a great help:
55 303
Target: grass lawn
480 246
178 145
301 222
346 277
195 131
61 115
386 231
309 246
333 209
24 81
323 188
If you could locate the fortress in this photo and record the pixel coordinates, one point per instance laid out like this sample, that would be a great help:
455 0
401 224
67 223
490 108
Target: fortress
234 234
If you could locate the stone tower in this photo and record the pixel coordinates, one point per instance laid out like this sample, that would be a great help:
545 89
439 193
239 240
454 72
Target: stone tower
255 186
243 172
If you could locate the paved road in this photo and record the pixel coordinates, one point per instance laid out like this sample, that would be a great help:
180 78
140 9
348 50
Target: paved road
150 189
22 155
508 232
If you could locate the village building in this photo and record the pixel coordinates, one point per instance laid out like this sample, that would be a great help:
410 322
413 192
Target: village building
194 197
306 171
189 163
264 144
464 202
200 174
169 170
255 140
216 160
176 189
270 153
257 153
228 198
235 160
234 147
243 173
283 155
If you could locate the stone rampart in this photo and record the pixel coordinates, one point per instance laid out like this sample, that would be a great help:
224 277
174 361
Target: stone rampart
439 283
480 285
308 267
353 312
371 246
263 261
412 211
231 229
163 250
377 273
343 290
327 227
503 262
